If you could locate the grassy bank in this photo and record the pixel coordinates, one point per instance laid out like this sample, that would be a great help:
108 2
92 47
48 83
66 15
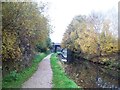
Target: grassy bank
60 79
15 80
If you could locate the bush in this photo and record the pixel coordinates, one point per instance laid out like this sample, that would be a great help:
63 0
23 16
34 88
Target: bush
12 76
108 62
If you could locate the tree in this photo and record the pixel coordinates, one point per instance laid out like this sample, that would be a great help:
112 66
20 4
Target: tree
23 27
90 35
108 43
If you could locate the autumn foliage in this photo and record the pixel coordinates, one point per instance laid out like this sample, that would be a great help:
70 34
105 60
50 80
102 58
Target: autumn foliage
91 36
23 27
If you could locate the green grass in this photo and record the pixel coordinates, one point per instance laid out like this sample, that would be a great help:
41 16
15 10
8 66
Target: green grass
15 80
60 79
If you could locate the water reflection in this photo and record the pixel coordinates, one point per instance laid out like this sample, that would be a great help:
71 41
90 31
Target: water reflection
104 84
90 75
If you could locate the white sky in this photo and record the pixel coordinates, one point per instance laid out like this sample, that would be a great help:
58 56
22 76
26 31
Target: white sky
61 12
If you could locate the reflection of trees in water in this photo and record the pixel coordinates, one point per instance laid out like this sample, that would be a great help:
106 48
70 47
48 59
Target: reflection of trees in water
91 75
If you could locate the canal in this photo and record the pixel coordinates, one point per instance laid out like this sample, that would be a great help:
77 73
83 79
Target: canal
92 75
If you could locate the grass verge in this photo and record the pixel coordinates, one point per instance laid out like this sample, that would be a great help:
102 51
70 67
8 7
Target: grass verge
60 79
15 80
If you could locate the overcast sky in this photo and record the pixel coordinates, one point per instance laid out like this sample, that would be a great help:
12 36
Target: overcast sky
61 12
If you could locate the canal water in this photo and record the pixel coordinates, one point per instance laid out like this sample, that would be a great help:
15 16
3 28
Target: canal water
90 75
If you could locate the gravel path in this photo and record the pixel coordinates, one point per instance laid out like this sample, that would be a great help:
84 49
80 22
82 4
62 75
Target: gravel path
42 78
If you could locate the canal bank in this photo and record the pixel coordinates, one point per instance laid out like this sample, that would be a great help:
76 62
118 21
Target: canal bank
90 75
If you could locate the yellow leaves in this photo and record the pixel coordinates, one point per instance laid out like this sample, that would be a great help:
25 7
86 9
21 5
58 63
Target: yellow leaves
107 40
87 41
23 26
72 35
8 45
91 38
